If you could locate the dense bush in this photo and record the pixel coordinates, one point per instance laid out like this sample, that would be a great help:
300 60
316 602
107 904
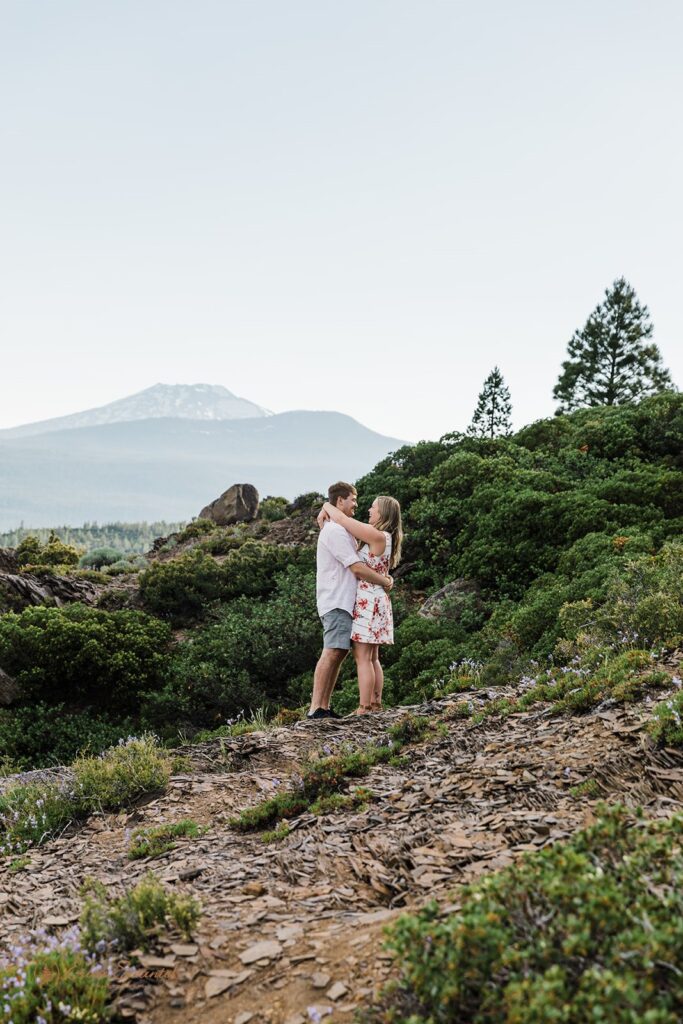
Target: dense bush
245 658
99 557
42 734
587 930
271 509
82 655
186 588
52 554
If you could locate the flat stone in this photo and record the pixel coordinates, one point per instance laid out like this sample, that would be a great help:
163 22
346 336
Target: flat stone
184 949
338 990
269 949
320 979
244 1017
214 986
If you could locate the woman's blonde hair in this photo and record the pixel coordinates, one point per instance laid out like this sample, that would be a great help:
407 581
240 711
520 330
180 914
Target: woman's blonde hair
390 521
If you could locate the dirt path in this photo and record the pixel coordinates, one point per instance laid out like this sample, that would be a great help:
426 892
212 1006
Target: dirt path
298 924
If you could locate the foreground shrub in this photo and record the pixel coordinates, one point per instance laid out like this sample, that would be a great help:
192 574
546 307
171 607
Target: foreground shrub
587 930
34 812
135 919
84 655
51 980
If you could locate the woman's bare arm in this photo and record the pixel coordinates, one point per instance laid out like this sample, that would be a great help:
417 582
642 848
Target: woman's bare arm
361 531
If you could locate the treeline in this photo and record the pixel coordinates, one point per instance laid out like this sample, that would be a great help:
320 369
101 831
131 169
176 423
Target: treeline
128 538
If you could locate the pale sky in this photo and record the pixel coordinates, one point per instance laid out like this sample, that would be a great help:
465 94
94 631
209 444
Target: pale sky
360 205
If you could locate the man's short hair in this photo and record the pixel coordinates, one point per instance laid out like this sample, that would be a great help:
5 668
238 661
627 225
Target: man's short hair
339 490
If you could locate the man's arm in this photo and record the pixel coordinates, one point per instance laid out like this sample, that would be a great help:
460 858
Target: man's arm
363 572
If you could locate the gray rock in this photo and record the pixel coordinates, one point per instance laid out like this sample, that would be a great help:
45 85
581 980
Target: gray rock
451 600
29 589
239 504
9 689
8 560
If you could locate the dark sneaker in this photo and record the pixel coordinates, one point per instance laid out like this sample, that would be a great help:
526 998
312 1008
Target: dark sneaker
332 714
318 713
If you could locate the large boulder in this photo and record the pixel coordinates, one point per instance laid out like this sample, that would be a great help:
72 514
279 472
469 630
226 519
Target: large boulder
451 600
239 504
9 689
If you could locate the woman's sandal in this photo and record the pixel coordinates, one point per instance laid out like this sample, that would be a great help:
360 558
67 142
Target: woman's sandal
362 709
376 705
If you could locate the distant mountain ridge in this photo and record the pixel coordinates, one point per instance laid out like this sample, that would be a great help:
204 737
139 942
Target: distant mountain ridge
180 401
171 467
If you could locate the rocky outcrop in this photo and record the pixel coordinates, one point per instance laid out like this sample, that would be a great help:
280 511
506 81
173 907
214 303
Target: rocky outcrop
239 504
27 589
451 600
8 560
9 689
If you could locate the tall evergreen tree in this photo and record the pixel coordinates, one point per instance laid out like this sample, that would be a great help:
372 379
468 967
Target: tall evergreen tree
610 361
492 415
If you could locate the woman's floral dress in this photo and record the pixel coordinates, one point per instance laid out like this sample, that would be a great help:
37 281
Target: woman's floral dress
373 620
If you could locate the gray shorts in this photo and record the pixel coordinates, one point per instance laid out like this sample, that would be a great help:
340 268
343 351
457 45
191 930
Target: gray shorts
337 629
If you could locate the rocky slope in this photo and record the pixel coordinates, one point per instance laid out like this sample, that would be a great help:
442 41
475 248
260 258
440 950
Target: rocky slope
292 931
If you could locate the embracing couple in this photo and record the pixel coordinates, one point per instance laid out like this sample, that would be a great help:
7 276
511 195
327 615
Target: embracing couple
352 588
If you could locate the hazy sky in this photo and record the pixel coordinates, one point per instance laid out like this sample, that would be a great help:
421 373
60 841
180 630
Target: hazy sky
360 205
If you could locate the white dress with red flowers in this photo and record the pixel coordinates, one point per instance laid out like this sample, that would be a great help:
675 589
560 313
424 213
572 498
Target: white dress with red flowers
373 621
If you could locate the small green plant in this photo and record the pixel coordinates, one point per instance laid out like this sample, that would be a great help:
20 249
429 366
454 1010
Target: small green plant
18 864
158 839
588 788
181 765
137 918
276 835
410 729
53 981
667 724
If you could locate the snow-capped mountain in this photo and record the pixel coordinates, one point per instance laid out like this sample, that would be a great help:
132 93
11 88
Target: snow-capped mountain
180 401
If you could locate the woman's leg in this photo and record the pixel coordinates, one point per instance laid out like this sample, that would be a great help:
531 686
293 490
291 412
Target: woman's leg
366 672
379 679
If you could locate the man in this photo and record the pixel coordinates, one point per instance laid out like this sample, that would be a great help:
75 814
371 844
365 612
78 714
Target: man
338 569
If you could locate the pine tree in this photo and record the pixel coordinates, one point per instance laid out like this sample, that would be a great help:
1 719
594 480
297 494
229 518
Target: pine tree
610 361
492 416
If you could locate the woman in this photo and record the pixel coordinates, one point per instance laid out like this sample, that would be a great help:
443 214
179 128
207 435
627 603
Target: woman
379 545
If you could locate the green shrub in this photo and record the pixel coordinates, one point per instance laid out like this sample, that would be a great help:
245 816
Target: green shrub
244 660
31 552
121 774
271 509
137 918
32 813
645 603
667 724
197 528
587 930
99 557
186 588
52 981
84 655
182 588
41 734
158 839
